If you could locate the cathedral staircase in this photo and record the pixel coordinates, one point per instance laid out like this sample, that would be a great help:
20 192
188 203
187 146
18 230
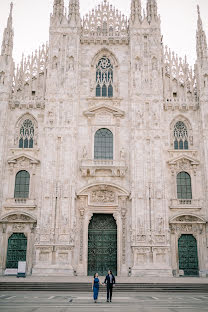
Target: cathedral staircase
23 285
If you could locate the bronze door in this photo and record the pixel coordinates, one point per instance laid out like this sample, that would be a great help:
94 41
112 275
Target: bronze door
17 249
102 244
188 255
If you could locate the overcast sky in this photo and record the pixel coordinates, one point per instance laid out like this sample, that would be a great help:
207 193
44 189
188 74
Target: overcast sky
31 22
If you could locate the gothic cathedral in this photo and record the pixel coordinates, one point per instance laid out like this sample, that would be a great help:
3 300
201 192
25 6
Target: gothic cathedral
104 149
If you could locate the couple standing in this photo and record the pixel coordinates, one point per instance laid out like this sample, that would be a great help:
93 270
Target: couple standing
109 281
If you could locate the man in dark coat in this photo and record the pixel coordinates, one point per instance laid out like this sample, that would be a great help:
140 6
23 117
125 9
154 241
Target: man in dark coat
109 280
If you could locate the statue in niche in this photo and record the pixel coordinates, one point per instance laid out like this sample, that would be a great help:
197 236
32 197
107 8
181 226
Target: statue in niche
137 64
160 224
70 63
138 74
84 152
55 62
154 64
139 118
122 154
2 77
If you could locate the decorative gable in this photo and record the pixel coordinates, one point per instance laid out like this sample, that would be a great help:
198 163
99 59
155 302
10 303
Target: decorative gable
23 161
104 109
184 163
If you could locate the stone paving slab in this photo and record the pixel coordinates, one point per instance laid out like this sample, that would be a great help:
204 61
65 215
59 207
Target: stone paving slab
153 302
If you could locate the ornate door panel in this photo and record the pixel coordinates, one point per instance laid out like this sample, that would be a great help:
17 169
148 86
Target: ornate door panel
17 249
188 255
102 244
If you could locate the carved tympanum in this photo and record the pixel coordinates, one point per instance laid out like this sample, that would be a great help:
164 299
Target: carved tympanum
187 219
102 196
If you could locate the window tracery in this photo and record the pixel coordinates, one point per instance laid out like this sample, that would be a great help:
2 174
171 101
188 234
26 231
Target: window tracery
26 135
104 78
180 136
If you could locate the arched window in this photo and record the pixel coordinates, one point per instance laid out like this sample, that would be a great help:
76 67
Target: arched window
103 145
184 186
26 136
104 78
180 136
22 183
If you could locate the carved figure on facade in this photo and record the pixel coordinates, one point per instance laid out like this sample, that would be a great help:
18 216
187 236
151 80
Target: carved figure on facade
2 77
84 152
103 196
70 63
160 224
123 154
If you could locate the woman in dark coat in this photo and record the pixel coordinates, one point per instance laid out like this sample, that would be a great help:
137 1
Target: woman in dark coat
95 287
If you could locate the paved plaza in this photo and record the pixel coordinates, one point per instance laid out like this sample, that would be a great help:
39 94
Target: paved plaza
140 302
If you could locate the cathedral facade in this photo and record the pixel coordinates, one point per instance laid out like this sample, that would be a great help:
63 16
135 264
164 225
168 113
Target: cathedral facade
104 149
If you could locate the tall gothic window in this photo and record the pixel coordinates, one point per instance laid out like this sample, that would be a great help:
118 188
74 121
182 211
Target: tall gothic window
180 136
103 145
26 136
184 190
22 183
104 78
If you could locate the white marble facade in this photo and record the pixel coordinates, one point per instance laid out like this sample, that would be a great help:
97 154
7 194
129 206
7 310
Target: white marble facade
153 89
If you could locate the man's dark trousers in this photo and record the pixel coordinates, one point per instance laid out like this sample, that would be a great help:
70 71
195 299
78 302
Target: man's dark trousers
109 291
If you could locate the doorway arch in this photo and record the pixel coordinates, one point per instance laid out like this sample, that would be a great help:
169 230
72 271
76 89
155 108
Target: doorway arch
102 244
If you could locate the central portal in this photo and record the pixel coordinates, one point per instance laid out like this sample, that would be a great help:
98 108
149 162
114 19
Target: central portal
102 244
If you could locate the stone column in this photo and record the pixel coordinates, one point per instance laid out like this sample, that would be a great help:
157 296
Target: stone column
80 268
4 245
124 269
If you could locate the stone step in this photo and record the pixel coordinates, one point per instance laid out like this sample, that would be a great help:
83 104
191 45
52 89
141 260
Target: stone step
86 287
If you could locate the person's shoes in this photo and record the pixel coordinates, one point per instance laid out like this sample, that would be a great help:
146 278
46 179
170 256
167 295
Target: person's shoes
110 301
107 300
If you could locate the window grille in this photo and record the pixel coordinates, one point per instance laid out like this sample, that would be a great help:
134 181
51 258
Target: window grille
103 145
22 183
104 78
184 190
180 136
26 137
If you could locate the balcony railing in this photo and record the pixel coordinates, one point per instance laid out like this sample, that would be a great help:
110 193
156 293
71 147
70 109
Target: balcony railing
186 203
12 203
92 167
21 200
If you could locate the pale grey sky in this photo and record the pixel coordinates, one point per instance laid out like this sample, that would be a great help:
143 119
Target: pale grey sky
31 22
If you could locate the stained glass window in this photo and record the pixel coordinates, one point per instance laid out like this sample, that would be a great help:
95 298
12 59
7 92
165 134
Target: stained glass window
180 136
184 186
26 136
103 145
22 183
104 78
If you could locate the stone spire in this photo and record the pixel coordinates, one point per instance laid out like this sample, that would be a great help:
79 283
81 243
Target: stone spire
136 9
74 13
152 10
7 43
58 8
201 41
